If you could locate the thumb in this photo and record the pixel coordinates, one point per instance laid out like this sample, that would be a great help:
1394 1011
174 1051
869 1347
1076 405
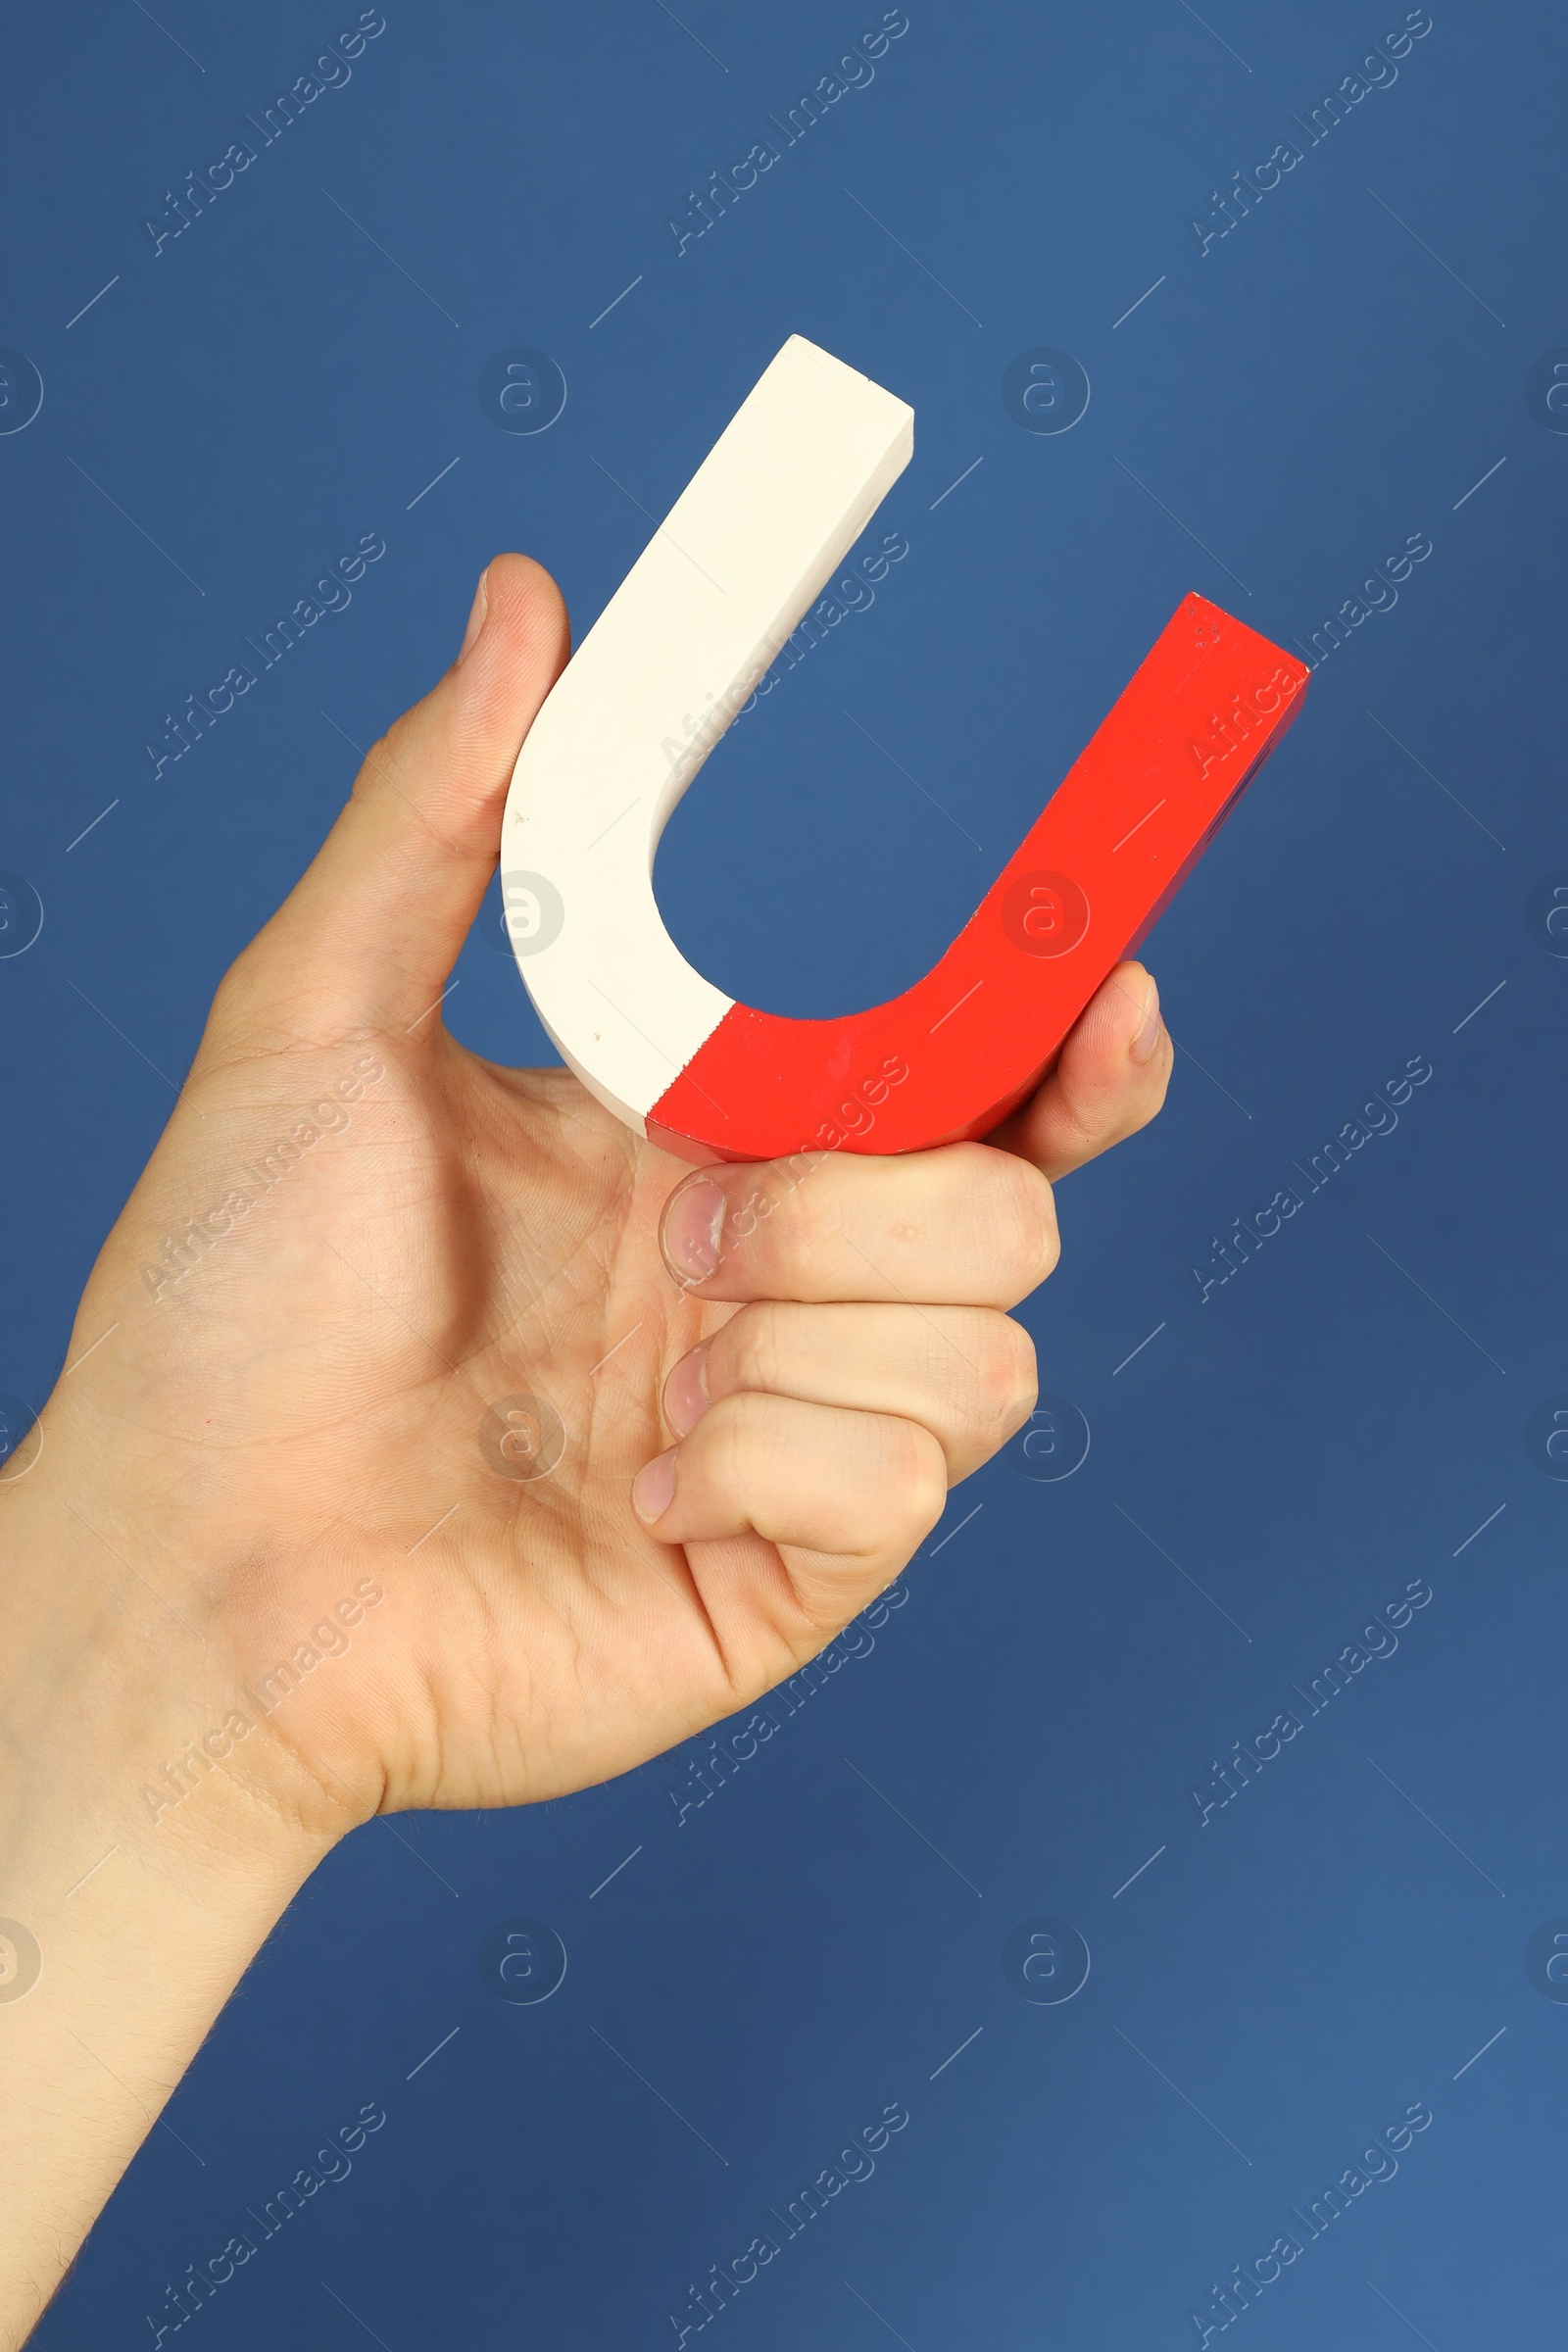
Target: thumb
1109 1080
375 924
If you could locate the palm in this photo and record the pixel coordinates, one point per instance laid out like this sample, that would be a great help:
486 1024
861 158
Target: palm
473 1239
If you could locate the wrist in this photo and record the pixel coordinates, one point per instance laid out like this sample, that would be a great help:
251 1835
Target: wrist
124 1926
116 1680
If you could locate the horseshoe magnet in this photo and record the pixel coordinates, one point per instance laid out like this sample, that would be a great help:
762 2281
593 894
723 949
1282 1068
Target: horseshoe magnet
790 484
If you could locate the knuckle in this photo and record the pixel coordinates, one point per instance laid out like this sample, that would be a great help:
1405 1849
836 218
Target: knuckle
917 1474
1084 1133
750 1348
1008 1383
726 1440
1023 1218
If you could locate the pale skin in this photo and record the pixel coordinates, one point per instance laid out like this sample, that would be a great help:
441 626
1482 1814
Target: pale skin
289 1408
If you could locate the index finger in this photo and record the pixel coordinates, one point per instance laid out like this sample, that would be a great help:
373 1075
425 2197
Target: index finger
960 1226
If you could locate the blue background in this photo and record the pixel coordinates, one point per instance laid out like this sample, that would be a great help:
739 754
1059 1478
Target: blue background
1280 413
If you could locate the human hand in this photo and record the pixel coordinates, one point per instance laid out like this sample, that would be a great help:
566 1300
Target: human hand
426 1438
296 1398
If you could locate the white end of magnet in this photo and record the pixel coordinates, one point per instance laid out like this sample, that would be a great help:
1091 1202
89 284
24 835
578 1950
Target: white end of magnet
775 506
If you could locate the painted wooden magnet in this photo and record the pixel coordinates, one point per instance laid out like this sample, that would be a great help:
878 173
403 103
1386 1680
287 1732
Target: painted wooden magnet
773 509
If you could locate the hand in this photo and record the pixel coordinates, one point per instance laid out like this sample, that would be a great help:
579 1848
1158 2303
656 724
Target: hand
429 1440
299 1395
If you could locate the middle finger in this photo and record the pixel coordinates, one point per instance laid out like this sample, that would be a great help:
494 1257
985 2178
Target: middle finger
965 1373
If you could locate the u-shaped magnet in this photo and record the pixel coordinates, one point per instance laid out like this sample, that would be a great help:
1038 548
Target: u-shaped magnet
771 512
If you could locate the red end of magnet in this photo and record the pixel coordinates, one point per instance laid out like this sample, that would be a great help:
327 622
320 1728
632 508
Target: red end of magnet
948 1059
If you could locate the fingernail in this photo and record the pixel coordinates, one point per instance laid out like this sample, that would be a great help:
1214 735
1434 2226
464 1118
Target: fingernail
689 1235
476 613
1147 1038
652 1489
686 1397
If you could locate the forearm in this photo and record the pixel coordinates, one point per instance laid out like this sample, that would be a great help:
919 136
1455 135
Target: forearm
124 1924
